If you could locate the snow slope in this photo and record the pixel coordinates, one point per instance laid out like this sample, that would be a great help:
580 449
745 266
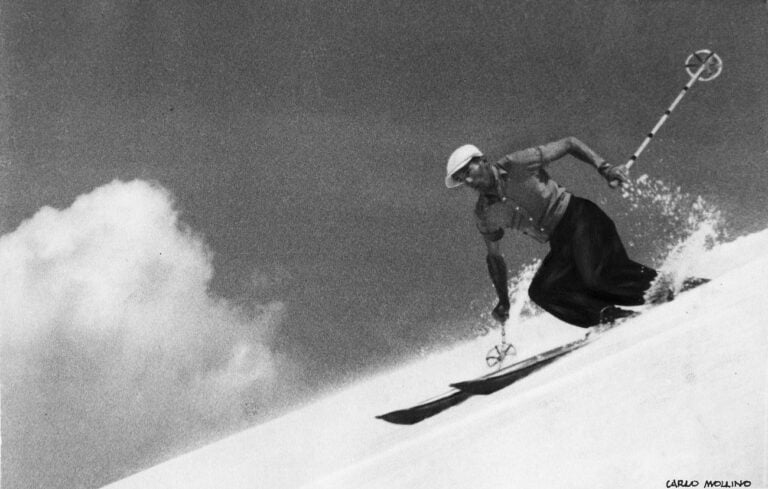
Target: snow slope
680 392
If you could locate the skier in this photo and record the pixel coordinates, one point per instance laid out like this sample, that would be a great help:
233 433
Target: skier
587 273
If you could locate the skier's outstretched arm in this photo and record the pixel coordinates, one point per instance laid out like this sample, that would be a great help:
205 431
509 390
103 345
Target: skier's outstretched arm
554 151
540 155
497 269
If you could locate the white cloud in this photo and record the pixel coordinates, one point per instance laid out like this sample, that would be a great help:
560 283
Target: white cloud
113 349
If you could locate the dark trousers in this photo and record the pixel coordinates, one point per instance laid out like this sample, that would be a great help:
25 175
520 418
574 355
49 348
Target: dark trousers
587 268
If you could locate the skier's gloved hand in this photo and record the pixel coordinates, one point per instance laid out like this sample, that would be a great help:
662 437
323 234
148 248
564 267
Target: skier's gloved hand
501 312
614 175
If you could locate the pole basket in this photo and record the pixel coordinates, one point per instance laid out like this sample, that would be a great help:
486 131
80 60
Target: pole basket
713 65
499 353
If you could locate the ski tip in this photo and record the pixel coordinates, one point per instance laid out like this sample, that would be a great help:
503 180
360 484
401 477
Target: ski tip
693 282
402 417
395 417
424 410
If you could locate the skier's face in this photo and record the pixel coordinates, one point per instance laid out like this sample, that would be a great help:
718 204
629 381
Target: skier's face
477 174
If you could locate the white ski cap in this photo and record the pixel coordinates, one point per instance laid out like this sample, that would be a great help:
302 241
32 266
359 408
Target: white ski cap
458 160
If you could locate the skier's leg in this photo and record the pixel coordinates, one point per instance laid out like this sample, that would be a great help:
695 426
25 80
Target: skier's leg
602 261
558 288
575 307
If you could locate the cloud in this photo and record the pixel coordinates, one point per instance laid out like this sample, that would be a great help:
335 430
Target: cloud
113 349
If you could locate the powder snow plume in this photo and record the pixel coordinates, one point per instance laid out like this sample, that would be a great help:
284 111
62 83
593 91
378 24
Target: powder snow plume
112 346
682 227
671 217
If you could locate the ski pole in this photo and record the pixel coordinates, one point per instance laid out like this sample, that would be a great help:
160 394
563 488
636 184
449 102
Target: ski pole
700 61
499 353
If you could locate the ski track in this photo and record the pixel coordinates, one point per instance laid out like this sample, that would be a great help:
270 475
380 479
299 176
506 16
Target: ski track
680 392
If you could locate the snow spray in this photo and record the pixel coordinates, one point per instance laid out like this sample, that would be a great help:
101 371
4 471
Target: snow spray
681 227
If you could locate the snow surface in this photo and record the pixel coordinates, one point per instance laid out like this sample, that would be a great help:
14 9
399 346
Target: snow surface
680 392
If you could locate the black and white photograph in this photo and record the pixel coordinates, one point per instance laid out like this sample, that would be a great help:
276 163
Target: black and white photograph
344 244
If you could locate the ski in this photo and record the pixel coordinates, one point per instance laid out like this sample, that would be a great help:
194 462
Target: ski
425 409
494 381
486 384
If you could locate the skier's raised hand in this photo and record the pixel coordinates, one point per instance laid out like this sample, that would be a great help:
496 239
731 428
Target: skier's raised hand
615 175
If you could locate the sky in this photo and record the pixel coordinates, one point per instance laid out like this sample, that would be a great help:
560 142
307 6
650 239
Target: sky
261 184
665 397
